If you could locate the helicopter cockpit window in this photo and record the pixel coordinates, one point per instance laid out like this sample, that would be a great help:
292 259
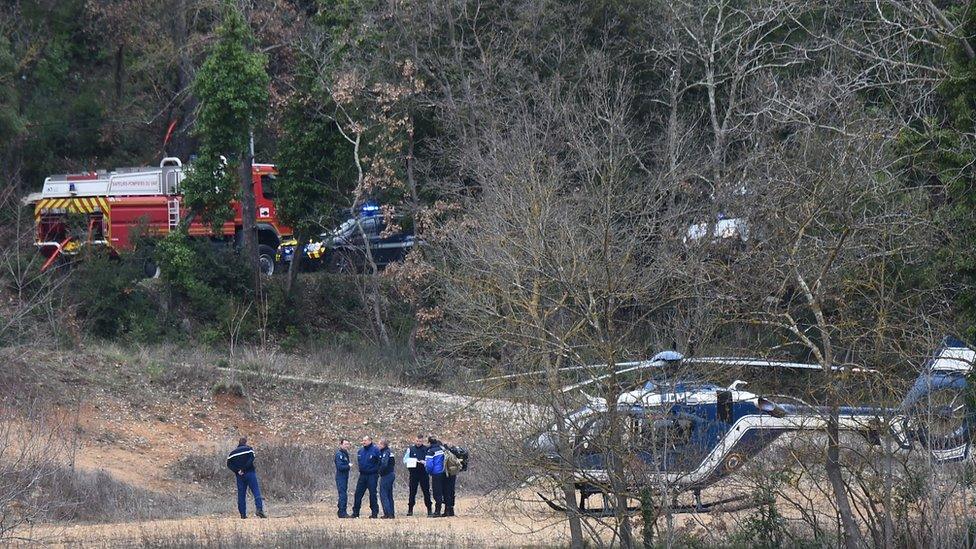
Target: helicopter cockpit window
662 433
635 433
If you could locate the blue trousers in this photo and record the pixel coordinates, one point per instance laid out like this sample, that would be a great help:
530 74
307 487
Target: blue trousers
342 486
245 481
437 488
365 482
386 493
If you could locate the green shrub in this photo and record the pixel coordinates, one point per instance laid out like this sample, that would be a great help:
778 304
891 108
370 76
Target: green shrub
204 275
111 303
205 293
765 526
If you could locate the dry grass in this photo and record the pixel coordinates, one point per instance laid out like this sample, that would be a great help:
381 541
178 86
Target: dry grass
315 525
298 537
65 494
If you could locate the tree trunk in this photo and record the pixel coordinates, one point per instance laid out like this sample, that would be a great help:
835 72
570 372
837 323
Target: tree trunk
889 527
374 288
572 514
618 481
564 447
181 143
249 232
119 72
649 515
291 285
852 534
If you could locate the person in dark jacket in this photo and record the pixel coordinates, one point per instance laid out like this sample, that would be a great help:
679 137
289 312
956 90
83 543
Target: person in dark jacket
241 462
413 458
434 464
368 459
450 485
342 466
387 476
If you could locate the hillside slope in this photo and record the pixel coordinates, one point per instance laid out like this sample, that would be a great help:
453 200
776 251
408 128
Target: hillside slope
160 420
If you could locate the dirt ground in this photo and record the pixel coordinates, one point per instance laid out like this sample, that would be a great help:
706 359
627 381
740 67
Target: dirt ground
474 527
136 427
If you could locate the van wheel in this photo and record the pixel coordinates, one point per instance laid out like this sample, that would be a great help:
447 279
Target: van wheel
266 260
341 263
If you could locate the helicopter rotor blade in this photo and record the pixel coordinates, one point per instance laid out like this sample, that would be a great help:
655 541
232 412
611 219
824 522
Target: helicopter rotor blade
529 374
669 358
627 367
764 363
663 357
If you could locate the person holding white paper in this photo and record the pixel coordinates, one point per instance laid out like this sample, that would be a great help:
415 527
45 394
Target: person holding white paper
413 458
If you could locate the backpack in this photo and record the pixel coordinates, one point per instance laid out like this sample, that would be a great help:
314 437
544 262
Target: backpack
462 455
452 465
455 460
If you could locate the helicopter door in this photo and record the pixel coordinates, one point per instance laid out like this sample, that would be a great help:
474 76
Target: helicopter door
661 441
724 411
590 445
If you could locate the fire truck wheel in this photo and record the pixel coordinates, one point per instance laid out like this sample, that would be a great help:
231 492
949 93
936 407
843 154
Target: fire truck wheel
150 269
266 259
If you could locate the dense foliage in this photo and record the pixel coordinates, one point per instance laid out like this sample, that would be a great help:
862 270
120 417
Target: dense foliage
413 104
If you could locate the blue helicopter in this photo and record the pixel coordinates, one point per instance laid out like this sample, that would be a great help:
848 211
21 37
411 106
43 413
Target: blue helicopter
688 436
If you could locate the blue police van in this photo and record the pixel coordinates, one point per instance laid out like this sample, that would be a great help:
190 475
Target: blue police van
349 248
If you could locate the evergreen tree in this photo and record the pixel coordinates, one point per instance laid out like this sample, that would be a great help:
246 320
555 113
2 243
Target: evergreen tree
315 176
940 153
954 163
232 87
11 123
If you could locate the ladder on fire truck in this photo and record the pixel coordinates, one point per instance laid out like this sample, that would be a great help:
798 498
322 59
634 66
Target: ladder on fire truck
173 209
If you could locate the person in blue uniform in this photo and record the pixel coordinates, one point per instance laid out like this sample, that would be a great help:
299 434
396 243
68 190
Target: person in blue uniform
241 462
342 466
368 460
387 476
434 464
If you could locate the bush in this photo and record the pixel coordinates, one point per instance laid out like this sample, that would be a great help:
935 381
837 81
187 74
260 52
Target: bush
232 388
207 276
110 301
287 472
98 496
62 493
205 292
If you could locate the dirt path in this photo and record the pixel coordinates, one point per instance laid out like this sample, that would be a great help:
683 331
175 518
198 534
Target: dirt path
475 527
490 407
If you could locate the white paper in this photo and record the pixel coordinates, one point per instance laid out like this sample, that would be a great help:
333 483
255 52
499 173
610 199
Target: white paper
411 462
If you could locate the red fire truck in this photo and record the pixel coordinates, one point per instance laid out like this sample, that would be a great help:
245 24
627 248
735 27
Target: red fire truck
108 208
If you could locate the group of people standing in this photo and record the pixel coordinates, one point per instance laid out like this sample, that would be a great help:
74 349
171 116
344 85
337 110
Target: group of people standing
433 468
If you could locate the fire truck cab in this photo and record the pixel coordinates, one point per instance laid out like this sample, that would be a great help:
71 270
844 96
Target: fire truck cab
109 208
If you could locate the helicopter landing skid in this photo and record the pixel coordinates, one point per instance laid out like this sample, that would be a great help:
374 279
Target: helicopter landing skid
718 506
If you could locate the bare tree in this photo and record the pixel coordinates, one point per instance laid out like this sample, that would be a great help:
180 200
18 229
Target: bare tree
34 445
30 296
565 254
